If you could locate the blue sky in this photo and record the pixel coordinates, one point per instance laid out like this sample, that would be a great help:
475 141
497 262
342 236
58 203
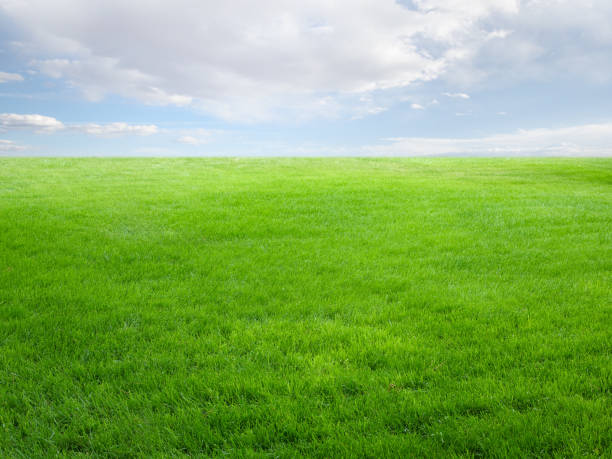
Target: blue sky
407 78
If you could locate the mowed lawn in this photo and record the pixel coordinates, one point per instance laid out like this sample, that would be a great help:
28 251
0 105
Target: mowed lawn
317 307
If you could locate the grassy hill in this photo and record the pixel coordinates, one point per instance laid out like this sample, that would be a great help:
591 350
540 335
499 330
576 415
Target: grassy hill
320 307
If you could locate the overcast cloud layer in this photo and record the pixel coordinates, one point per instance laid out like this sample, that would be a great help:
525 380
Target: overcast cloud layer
275 62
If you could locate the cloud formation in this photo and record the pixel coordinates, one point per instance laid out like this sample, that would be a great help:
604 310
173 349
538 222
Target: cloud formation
48 124
258 60
114 129
35 122
342 74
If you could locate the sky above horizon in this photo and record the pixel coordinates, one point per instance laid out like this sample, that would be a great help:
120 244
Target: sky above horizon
316 78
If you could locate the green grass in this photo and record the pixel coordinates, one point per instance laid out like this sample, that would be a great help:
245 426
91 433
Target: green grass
318 307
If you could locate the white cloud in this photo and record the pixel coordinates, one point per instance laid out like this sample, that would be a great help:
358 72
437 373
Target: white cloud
585 140
544 40
115 129
417 107
38 123
97 76
48 124
6 77
249 60
457 95
8 146
293 59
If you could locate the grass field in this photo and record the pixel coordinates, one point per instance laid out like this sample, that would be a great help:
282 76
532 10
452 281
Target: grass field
319 307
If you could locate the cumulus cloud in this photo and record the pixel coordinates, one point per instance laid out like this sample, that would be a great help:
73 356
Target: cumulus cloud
38 123
585 140
48 124
252 60
97 76
6 77
268 59
417 107
114 129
